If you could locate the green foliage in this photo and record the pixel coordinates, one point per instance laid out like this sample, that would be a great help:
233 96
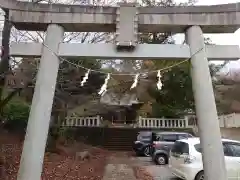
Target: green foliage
15 113
71 74
176 95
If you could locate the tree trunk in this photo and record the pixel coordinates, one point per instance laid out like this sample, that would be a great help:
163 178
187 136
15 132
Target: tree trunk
4 63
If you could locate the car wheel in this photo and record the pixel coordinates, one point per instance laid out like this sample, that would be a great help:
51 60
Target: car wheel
146 151
200 176
161 159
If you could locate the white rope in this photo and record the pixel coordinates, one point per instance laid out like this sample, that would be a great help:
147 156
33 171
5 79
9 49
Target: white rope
103 89
159 83
85 78
135 81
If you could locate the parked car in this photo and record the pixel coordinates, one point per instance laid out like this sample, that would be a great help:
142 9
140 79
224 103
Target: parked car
186 159
163 143
143 143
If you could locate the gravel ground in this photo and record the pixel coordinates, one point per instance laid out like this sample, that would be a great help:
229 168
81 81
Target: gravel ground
126 167
157 172
142 174
160 173
119 172
122 168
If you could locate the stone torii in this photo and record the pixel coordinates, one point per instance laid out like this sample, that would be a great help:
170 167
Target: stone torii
126 20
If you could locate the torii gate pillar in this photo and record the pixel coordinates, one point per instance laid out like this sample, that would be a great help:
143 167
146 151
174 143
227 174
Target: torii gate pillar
40 114
208 123
127 21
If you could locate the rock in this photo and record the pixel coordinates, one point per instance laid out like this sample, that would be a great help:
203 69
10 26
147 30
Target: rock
83 155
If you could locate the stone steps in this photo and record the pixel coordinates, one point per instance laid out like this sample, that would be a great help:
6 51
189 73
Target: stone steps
119 139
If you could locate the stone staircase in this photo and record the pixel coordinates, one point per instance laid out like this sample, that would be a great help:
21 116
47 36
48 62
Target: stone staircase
119 139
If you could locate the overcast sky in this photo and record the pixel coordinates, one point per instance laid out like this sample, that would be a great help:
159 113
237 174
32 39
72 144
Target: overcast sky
221 39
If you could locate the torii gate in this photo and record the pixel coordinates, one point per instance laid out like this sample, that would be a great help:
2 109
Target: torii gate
126 20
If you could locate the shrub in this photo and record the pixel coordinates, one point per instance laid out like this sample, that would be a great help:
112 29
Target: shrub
15 115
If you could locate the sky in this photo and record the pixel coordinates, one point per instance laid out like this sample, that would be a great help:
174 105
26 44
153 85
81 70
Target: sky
220 39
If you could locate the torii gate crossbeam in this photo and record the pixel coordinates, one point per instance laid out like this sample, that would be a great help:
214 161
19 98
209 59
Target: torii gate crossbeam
212 19
142 51
127 20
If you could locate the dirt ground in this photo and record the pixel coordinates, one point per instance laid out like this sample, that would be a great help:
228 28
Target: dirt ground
63 165
56 166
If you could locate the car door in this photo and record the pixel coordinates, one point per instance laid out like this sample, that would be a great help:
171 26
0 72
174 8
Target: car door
178 153
168 141
229 161
143 139
233 160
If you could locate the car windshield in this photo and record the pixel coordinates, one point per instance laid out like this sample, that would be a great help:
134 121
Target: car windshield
199 149
184 136
180 148
144 136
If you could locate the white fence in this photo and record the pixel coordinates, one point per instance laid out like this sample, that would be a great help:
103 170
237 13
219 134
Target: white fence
226 121
162 123
229 120
82 121
74 121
